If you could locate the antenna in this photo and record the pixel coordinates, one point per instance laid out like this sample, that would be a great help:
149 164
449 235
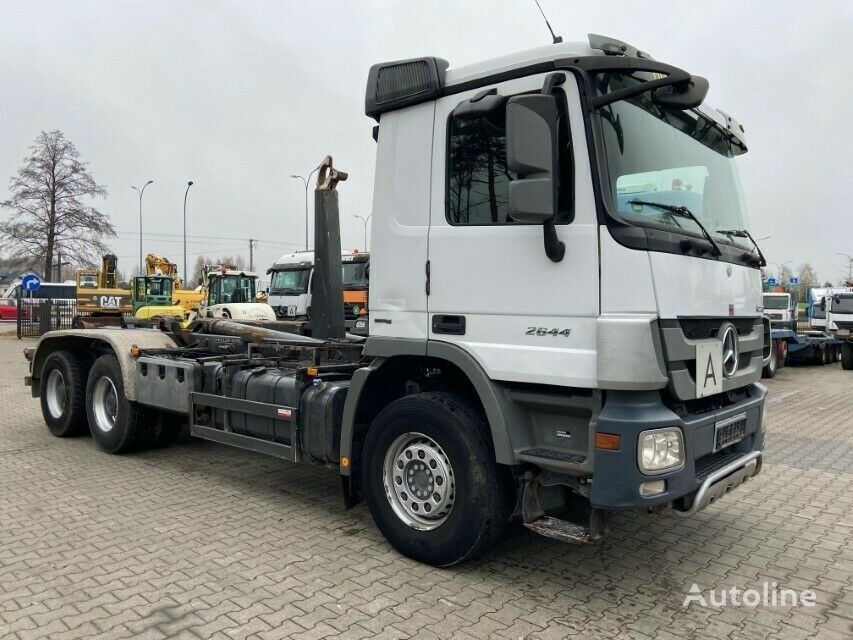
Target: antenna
557 39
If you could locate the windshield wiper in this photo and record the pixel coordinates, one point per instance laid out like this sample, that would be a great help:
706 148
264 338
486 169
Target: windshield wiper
743 233
683 212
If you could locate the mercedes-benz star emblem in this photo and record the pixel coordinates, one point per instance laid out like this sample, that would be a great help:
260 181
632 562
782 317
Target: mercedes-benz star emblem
730 352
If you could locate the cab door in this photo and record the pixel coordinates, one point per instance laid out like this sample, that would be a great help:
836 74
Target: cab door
493 290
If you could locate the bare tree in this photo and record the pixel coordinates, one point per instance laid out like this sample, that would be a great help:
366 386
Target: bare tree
232 262
49 215
785 274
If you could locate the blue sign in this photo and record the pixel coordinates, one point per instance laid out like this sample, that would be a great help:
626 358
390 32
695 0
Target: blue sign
793 280
31 282
771 282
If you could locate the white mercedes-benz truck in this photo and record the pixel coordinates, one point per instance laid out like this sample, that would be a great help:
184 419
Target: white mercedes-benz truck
565 314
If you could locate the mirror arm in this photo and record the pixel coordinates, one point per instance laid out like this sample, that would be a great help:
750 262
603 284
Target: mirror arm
555 248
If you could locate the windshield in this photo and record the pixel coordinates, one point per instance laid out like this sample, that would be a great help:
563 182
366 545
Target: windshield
89 282
672 157
842 305
775 302
290 282
354 275
236 289
817 312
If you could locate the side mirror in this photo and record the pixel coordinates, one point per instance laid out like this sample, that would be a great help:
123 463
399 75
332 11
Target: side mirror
531 152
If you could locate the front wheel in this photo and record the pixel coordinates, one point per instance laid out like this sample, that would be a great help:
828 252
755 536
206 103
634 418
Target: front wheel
431 480
117 424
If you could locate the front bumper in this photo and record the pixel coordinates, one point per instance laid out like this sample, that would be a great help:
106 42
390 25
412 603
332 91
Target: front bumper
705 475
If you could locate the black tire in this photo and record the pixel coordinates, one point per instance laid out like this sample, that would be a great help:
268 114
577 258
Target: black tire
847 356
481 488
784 361
63 395
124 426
772 366
169 427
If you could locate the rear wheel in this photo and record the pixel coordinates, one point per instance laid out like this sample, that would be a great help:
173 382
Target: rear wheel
117 424
62 394
431 480
847 356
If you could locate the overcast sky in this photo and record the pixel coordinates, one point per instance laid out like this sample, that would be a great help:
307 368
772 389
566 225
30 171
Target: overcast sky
237 96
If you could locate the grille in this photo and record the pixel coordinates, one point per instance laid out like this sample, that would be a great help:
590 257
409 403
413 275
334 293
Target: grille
704 328
843 324
706 465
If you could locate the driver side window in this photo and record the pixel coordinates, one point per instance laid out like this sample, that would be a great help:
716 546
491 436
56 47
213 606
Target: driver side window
477 174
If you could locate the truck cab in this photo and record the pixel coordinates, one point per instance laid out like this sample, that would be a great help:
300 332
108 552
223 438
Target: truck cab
817 315
781 309
839 315
355 274
290 287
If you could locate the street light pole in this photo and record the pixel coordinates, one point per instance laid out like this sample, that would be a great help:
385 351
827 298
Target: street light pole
306 182
849 265
189 184
364 220
140 191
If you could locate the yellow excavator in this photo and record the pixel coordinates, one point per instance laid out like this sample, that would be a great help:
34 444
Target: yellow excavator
100 302
189 299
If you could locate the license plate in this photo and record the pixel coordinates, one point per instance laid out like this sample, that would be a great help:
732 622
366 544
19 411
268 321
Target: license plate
709 368
729 431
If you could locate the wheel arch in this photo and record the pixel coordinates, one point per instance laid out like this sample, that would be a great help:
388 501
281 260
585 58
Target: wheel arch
88 344
376 385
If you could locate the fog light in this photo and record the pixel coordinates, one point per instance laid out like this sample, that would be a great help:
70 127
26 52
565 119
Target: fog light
660 450
653 488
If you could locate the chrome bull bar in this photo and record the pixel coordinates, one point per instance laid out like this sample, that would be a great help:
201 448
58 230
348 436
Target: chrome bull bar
724 480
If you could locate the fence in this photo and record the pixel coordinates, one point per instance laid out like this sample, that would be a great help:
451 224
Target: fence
36 317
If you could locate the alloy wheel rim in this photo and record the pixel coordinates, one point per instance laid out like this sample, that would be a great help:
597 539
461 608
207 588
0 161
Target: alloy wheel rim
419 481
56 393
105 404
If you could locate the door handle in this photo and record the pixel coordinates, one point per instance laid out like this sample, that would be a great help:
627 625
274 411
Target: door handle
448 325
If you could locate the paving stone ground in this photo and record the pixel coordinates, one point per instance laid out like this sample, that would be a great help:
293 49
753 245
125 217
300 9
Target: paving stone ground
199 541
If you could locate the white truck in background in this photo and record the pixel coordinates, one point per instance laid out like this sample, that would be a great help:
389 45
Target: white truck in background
290 285
291 278
540 347
839 323
781 309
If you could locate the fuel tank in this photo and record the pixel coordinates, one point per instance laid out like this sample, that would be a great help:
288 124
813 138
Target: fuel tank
269 386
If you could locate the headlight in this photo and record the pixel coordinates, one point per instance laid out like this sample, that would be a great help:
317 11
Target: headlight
660 450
